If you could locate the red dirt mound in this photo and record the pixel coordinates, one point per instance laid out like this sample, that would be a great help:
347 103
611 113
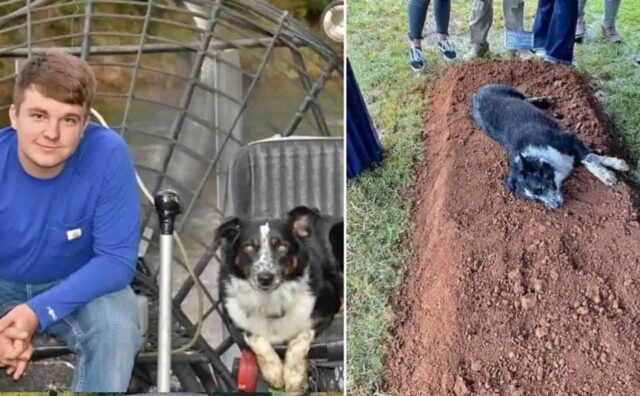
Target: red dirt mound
508 297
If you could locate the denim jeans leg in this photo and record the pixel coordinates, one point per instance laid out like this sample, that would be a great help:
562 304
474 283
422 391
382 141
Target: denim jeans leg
106 338
417 10
542 23
11 294
562 31
442 12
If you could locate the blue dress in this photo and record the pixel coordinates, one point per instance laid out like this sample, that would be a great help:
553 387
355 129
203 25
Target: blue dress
363 144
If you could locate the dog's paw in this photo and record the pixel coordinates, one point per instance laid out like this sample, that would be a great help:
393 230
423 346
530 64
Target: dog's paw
599 171
608 178
273 373
268 360
541 102
610 162
617 164
295 366
295 376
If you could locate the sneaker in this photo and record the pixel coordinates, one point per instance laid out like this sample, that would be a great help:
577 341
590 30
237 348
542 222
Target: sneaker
526 54
580 30
476 51
416 60
446 49
611 34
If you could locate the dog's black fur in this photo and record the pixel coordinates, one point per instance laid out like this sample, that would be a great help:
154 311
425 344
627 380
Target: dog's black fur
541 153
310 264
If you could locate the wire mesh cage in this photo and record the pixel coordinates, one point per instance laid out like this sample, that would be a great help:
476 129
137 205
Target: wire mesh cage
186 83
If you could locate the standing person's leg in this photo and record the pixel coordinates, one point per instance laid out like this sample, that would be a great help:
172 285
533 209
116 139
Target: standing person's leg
479 25
442 11
611 8
513 11
106 337
561 39
513 14
417 11
542 23
581 27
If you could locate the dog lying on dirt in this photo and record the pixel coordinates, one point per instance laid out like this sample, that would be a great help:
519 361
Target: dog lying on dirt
280 281
541 153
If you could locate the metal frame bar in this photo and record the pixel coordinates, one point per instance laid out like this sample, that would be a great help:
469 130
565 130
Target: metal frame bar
125 116
283 18
19 51
176 127
86 39
306 85
313 93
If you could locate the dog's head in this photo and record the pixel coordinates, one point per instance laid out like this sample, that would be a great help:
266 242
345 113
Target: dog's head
267 252
535 180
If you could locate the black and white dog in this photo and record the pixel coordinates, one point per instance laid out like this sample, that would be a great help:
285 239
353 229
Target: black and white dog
541 153
280 281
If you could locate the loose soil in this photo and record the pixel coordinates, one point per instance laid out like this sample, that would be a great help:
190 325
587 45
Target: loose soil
508 297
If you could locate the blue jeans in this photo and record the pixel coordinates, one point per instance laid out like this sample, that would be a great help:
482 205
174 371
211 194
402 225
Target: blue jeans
418 14
554 29
104 335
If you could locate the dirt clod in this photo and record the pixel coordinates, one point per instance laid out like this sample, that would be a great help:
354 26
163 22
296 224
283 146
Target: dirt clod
527 302
460 387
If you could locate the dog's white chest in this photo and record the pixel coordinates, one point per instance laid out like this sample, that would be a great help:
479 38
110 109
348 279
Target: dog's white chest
278 316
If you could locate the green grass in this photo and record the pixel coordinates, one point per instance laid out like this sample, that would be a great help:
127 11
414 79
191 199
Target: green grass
378 207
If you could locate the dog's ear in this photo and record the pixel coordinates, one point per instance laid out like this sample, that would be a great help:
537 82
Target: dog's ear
302 219
228 230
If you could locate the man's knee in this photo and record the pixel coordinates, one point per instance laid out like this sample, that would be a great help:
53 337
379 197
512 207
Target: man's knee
112 321
114 337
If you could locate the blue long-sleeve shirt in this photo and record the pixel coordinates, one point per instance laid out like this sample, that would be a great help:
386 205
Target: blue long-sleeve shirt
81 227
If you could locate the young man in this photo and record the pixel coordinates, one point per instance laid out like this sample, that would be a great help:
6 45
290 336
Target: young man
70 226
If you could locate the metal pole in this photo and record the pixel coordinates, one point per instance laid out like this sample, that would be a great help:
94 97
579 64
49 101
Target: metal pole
167 205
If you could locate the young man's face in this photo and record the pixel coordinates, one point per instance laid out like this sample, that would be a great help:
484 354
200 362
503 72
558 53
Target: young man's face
48 132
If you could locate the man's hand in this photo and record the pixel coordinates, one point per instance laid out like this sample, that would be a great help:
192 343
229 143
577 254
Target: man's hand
21 349
9 349
19 321
21 317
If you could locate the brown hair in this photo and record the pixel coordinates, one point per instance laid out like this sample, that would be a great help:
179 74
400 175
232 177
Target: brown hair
59 76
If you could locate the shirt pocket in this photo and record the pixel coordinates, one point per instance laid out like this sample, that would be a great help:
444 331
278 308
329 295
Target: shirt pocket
70 239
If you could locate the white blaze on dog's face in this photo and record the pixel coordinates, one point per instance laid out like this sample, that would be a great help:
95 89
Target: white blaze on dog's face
266 254
264 272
